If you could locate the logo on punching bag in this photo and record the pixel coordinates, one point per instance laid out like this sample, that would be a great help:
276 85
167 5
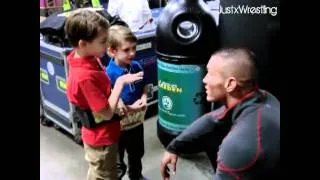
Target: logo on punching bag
167 103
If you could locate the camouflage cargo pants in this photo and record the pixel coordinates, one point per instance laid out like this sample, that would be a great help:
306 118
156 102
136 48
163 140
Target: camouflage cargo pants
102 162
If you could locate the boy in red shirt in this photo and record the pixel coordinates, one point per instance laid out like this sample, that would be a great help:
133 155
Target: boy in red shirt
89 89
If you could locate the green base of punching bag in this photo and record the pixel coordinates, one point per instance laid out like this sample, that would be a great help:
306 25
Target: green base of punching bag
181 96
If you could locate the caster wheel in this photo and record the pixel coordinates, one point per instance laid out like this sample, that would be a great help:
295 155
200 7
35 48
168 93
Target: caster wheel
56 126
41 111
45 122
77 138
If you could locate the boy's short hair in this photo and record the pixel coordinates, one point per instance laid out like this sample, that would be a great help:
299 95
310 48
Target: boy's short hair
118 33
83 24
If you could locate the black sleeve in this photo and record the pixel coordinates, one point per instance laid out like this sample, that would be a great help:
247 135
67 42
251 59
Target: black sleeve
191 140
251 150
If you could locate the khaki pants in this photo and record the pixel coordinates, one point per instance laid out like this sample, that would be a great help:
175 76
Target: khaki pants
102 162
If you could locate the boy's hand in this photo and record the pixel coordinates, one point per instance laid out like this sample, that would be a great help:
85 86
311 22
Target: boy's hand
123 111
130 78
135 106
144 102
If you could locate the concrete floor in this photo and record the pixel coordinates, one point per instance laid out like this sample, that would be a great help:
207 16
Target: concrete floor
62 159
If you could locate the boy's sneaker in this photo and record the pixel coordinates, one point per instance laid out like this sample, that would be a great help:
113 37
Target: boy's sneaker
121 172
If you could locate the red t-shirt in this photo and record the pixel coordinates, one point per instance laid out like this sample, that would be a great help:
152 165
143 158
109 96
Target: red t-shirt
89 87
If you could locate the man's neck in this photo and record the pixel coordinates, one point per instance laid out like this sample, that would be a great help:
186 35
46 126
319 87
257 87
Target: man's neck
235 97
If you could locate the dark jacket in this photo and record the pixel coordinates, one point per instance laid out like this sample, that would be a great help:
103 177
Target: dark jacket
246 137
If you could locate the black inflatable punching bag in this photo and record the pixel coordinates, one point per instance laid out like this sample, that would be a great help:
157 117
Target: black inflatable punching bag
255 25
186 36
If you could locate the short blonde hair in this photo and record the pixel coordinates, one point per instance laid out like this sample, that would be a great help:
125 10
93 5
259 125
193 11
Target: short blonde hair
119 33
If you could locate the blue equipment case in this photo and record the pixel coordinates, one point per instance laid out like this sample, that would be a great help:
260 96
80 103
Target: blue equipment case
53 74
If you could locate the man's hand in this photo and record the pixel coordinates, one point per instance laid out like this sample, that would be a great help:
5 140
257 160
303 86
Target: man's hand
168 158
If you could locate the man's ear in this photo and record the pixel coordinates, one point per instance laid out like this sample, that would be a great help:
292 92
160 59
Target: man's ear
111 51
230 84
